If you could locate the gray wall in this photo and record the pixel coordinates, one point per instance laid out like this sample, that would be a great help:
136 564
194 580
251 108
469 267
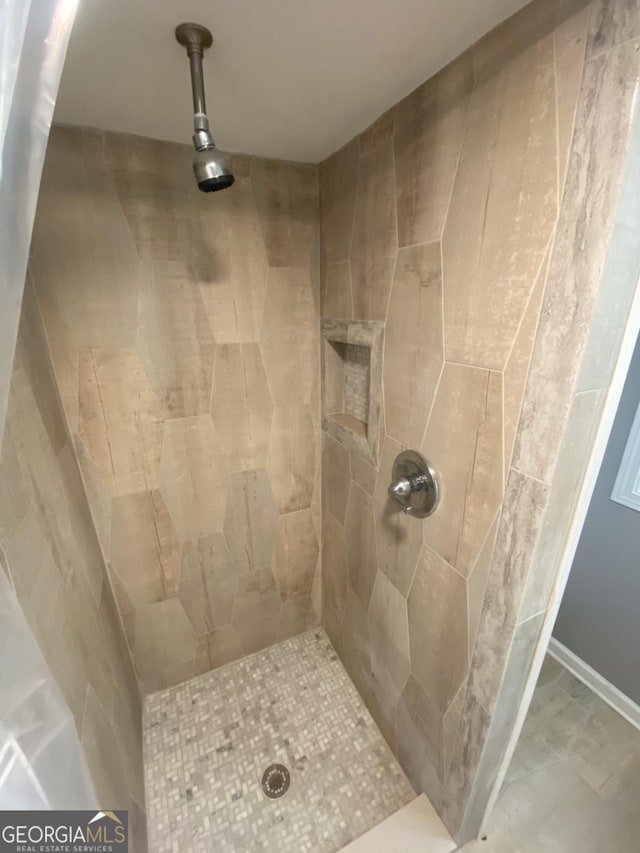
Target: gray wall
599 618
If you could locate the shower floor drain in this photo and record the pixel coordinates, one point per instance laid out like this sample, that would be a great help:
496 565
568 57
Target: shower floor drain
275 781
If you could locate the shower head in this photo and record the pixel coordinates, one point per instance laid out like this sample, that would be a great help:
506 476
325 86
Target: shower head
211 167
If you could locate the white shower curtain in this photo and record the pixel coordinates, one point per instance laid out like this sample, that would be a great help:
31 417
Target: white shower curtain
41 761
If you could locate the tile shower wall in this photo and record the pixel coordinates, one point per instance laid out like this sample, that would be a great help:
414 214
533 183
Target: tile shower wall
54 562
438 220
184 334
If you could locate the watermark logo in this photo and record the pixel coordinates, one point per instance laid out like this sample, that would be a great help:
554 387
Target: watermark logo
64 832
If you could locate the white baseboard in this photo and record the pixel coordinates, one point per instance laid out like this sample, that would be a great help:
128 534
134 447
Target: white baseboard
600 686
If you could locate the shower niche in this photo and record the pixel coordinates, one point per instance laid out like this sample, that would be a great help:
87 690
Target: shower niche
352 384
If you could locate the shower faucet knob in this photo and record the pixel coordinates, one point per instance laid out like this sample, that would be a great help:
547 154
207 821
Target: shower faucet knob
414 485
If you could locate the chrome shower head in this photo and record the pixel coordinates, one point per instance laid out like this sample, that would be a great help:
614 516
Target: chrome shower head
211 167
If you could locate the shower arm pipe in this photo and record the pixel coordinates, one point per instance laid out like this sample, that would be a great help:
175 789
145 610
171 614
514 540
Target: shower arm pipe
200 121
196 39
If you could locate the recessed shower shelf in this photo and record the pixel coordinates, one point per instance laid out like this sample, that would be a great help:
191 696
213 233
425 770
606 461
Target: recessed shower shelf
352 383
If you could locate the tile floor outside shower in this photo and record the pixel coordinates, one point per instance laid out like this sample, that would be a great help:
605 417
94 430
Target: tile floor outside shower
574 781
207 743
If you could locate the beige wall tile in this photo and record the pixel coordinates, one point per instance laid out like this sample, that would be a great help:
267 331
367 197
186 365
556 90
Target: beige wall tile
503 208
250 520
257 610
241 405
360 538
295 555
286 198
119 420
418 725
428 135
208 582
413 348
233 277
103 755
165 645
334 569
87 268
85 557
155 186
388 630
336 476
289 336
193 476
41 478
32 356
292 457
223 646
379 131
398 536
97 495
337 298
477 584
338 178
146 550
374 233
437 607
464 443
13 501
355 642
517 366
506 42
362 473
174 339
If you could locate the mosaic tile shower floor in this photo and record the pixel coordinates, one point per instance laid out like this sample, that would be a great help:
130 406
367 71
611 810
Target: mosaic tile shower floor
207 743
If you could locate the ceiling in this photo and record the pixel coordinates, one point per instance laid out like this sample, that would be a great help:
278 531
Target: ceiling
291 79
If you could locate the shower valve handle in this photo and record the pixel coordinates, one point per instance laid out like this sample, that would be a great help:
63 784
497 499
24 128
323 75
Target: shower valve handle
414 485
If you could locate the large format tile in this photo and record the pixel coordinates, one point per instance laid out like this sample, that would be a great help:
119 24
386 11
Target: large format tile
398 536
374 233
413 348
233 278
292 457
145 551
360 538
208 581
174 339
437 606
593 182
334 574
101 750
289 336
193 476
569 40
428 135
155 186
41 478
119 420
295 554
337 298
503 208
165 644
257 609
338 178
87 272
286 197
463 442
251 519
388 630
241 405
336 476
